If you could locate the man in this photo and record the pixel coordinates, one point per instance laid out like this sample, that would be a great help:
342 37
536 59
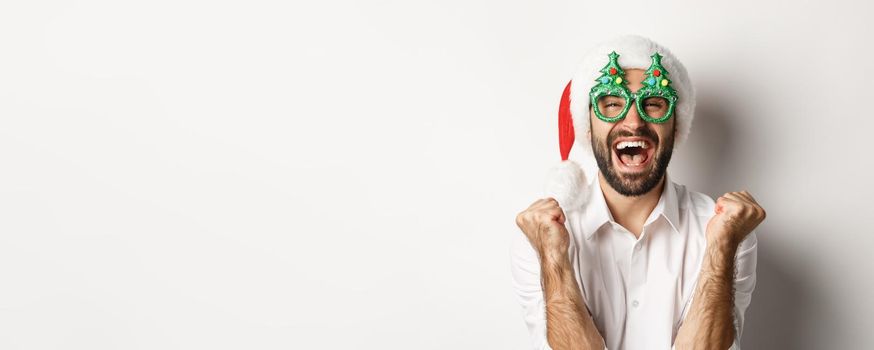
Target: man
633 260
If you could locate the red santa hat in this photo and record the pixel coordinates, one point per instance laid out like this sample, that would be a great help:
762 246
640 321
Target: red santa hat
567 182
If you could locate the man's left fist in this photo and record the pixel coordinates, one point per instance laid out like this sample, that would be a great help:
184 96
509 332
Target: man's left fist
737 214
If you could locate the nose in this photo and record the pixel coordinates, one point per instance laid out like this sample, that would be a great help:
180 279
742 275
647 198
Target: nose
632 120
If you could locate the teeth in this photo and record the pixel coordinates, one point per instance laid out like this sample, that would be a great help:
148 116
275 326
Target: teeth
624 144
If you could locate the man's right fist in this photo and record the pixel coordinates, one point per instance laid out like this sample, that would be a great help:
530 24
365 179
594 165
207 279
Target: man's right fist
543 224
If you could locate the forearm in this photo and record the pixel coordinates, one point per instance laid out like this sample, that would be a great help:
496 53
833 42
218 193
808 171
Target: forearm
568 323
710 321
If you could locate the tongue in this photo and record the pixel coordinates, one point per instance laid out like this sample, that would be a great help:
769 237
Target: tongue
631 159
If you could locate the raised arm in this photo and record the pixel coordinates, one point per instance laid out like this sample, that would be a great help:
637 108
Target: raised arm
568 324
715 317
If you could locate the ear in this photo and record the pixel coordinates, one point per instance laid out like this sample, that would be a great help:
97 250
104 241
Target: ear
591 124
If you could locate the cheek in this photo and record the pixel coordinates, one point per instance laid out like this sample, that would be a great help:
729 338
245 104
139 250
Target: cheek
599 132
599 129
665 131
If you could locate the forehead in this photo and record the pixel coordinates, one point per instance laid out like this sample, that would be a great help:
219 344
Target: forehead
634 77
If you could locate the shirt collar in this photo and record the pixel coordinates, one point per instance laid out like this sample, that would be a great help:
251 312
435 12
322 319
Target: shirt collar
597 213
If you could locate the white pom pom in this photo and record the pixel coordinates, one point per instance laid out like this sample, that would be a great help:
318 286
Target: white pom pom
566 182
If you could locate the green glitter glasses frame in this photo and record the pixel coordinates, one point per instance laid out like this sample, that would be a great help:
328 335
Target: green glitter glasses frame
611 99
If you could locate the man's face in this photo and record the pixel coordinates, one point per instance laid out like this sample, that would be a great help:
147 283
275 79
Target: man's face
632 154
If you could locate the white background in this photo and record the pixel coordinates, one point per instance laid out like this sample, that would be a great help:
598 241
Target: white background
346 175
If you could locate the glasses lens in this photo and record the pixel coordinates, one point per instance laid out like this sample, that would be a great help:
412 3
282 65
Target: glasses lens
611 106
655 107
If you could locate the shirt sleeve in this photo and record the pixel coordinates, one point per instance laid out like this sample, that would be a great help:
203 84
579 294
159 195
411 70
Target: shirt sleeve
525 266
744 283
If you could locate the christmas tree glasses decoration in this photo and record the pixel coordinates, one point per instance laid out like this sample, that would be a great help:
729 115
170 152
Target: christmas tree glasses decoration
656 93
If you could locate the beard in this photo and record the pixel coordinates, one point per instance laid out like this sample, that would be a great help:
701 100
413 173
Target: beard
633 184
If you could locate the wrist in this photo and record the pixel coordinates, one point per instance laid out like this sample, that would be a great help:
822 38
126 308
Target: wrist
721 251
723 242
554 256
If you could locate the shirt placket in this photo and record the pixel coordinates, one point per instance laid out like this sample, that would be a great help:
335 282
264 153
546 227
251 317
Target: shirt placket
636 293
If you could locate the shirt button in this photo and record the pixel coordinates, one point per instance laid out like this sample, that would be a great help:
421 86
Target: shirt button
637 247
635 303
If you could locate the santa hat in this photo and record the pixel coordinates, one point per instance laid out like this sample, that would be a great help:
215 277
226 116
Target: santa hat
567 181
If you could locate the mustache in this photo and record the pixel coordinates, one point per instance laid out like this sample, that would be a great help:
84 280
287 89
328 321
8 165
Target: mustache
642 131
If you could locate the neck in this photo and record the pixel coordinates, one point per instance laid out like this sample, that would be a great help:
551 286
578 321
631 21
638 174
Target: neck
631 212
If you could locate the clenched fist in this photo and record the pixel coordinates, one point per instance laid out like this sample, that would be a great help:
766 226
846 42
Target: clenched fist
543 224
737 214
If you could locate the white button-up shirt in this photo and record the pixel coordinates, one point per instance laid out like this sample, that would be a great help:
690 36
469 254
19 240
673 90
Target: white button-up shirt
638 290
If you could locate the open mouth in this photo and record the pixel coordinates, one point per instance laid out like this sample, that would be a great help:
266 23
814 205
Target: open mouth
633 154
